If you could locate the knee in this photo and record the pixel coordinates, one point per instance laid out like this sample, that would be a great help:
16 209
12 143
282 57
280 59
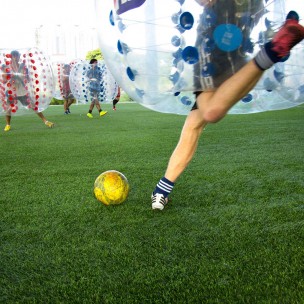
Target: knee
213 115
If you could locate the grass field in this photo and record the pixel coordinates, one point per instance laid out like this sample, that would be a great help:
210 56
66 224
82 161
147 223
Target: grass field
233 231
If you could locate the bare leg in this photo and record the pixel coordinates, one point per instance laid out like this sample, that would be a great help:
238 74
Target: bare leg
65 105
101 112
89 114
91 106
8 120
97 105
115 101
70 101
186 146
40 114
215 105
46 122
212 106
209 103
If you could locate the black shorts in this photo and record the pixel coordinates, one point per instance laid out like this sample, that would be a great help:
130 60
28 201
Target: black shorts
195 107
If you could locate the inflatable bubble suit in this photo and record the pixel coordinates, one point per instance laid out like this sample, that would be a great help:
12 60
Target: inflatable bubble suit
88 82
27 81
160 52
62 72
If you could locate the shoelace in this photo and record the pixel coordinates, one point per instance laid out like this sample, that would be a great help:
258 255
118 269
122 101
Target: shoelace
162 199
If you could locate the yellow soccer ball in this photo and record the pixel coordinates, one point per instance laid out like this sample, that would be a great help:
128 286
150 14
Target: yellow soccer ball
111 187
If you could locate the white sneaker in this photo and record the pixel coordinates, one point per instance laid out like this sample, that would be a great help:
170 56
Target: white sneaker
158 201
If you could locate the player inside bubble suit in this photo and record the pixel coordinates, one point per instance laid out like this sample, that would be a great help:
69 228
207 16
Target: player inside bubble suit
14 77
95 75
66 90
217 94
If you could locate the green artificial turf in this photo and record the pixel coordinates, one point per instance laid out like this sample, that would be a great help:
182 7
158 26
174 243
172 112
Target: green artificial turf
233 231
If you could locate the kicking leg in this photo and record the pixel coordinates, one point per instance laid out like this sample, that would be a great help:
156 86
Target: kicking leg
236 87
214 106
